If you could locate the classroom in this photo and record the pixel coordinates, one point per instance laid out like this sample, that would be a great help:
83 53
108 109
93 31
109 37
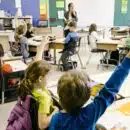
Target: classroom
64 64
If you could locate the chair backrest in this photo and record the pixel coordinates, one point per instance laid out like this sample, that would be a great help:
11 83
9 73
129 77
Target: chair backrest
34 105
4 40
89 43
78 44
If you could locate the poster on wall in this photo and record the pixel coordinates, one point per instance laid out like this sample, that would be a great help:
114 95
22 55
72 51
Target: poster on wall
59 4
124 6
18 3
43 10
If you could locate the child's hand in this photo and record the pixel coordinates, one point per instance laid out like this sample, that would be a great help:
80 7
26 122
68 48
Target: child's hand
45 39
56 109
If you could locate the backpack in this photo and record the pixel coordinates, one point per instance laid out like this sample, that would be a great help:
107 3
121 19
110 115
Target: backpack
19 118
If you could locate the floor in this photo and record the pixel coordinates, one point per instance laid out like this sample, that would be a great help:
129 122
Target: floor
54 76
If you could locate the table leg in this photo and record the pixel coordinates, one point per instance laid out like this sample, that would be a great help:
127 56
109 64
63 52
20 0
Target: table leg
108 52
2 83
54 53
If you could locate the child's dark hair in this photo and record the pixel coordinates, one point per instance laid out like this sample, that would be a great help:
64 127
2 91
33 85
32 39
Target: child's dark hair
32 74
20 30
72 24
73 91
93 27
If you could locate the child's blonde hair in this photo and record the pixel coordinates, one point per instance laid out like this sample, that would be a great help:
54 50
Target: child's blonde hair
21 29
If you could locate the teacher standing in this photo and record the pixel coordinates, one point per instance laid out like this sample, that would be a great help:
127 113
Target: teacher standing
69 16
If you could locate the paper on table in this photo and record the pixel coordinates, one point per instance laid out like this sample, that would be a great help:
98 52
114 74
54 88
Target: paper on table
17 65
125 109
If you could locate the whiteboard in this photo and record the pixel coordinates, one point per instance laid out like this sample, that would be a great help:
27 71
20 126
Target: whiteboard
18 3
100 12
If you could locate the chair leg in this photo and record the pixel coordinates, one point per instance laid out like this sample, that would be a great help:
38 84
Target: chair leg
90 56
59 63
80 61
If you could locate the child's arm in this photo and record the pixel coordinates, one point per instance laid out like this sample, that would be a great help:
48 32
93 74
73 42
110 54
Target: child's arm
108 93
44 119
40 49
67 39
46 110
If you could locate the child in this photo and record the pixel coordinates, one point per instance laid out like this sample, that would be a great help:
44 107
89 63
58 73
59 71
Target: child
29 33
34 84
70 44
20 31
74 92
93 36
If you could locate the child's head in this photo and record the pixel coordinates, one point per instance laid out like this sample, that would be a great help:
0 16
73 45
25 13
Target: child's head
34 78
93 27
73 91
72 26
21 30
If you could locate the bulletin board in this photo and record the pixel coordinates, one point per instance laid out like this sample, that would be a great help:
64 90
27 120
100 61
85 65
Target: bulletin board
43 10
57 9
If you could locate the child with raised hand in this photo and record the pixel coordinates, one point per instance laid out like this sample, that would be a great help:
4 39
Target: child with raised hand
34 83
20 31
73 92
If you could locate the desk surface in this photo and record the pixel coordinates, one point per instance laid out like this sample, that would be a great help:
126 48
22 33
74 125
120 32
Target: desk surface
108 41
59 40
102 78
17 65
36 41
108 119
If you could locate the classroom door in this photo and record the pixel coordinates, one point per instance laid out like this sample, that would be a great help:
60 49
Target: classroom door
121 16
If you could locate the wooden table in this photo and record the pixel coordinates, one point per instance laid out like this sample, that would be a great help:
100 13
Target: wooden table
109 45
56 44
34 43
102 78
121 31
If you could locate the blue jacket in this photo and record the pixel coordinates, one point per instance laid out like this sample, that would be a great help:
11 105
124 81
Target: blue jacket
90 114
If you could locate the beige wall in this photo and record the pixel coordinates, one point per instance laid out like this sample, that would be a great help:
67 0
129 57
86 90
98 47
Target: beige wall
97 11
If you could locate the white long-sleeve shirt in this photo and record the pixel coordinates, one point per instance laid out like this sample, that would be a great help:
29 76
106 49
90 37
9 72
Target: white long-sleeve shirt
93 38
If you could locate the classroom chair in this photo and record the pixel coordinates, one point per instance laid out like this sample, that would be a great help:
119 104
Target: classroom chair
94 51
70 57
34 105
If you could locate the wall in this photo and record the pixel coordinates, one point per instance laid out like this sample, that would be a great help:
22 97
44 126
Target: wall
100 12
8 6
29 7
